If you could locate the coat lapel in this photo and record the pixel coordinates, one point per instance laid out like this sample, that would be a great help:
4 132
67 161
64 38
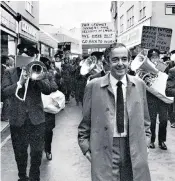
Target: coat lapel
106 83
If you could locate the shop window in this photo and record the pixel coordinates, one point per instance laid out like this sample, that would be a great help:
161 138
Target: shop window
130 17
29 7
142 10
121 24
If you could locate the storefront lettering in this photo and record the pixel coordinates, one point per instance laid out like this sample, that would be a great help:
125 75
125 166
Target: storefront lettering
25 27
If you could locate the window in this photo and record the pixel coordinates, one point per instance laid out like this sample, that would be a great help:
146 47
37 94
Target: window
130 17
142 8
121 24
29 7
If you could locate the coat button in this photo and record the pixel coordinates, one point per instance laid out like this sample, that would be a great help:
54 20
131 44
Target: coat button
105 128
105 147
107 109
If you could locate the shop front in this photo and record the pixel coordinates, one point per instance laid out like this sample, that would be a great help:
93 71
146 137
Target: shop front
8 28
28 33
47 44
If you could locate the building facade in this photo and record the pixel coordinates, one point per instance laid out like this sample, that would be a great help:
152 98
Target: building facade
20 20
9 30
129 18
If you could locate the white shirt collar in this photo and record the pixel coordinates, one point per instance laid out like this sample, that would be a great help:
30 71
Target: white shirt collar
114 81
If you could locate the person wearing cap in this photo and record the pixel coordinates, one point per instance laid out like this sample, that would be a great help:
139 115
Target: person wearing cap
114 134
26 118
157 106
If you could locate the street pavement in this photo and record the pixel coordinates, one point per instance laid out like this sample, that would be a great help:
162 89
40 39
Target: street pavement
69 164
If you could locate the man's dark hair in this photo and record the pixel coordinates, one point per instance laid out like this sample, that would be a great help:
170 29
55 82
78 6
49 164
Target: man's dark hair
150 52
113 46
172 52
98 55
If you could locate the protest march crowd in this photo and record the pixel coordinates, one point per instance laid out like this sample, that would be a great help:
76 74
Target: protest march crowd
122 99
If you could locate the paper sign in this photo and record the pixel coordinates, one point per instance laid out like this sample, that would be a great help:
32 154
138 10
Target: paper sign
97 33
156 37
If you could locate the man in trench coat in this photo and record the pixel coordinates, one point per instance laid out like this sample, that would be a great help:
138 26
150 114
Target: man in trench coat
116 155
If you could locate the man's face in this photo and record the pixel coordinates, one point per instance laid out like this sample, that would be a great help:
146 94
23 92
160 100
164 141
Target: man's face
119 62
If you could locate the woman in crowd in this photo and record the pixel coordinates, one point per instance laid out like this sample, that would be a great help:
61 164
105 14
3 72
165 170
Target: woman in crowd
50 118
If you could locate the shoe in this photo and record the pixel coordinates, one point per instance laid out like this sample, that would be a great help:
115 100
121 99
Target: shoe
49 156
152 145
173 125
162 145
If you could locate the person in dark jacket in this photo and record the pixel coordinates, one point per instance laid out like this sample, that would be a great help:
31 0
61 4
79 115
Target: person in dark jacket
66 75
80 85
49 117
26 118
7 62
171 110
157 106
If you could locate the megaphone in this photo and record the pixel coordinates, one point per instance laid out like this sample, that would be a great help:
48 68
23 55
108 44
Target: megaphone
142 62
88 65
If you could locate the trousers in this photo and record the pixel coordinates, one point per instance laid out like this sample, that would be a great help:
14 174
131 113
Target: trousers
22 137
121 161
157 106
50 125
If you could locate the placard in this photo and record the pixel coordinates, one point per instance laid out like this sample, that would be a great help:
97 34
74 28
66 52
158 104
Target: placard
156 37
97 33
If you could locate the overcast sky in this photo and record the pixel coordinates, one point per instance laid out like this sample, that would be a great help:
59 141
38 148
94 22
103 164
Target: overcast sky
70 14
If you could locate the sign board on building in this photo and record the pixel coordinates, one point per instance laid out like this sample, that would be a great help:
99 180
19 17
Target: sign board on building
64 46
170 8
97 33
28 30
8 20
156 37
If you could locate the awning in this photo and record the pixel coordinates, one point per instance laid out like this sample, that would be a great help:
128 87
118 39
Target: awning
47 39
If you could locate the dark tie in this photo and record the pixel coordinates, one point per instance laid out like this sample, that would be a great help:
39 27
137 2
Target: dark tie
120 108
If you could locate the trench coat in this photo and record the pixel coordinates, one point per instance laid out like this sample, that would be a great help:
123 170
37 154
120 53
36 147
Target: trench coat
95 131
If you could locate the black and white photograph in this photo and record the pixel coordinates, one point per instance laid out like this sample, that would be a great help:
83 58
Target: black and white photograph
87 90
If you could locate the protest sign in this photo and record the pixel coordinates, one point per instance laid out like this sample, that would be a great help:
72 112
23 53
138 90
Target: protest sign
97 33
156 37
